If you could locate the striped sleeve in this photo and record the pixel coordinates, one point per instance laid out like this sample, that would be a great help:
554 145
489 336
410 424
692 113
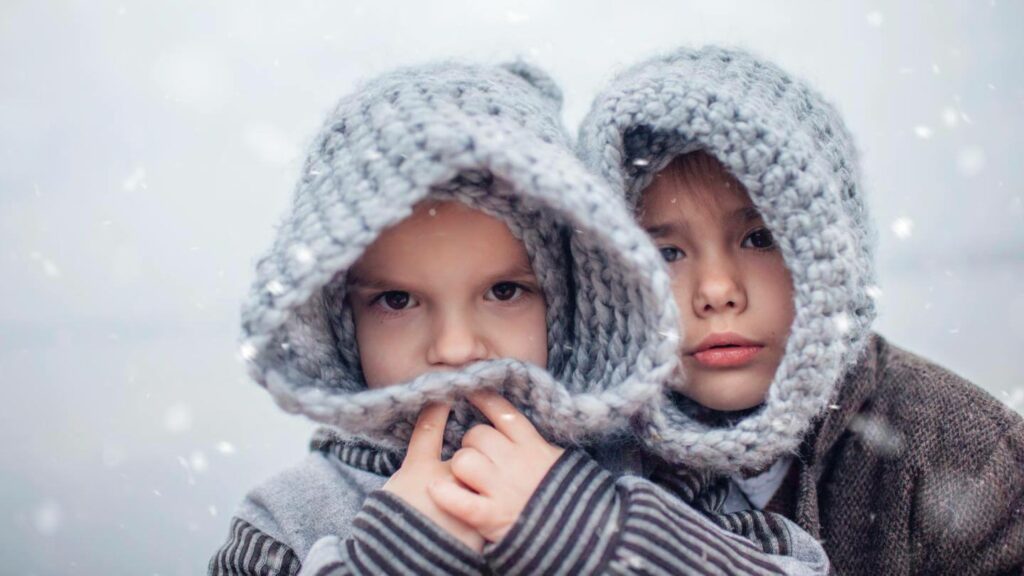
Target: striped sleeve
249 551
582 520
388 537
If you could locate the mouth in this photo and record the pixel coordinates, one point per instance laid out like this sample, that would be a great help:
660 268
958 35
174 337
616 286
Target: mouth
725 350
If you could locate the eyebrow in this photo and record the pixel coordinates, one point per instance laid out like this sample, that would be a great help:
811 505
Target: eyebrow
357 281
518 271
665 229
745 214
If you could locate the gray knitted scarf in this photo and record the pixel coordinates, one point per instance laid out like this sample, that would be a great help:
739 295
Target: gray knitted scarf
795 157
489 137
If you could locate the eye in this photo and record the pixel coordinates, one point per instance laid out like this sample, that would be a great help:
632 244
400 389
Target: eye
671 253
505 291
761 239
394 300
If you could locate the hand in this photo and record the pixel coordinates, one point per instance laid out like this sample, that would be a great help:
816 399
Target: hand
423 466
499 468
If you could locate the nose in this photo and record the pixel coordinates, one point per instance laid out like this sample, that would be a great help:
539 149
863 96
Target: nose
457 341
719 290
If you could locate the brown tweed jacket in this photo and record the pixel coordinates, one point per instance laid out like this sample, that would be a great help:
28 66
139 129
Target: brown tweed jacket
913 470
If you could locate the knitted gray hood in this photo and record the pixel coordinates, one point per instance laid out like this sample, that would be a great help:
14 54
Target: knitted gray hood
490 137
791 151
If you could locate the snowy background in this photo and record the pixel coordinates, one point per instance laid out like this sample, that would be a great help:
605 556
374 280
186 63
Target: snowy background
147 149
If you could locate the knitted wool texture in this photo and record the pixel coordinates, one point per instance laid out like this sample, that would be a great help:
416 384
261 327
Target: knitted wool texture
490 137
791 151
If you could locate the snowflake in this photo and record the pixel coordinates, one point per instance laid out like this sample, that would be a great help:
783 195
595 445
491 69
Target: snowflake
247 351
302 254
197 462
135 181
178 418
274 287
842 321
49 268
878 435
903 227
874 292
950 117
48 517
970 161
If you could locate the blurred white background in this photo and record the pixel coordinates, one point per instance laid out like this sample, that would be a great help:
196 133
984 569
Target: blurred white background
148 149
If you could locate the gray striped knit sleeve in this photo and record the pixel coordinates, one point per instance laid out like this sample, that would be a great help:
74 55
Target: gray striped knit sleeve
582 520
388 537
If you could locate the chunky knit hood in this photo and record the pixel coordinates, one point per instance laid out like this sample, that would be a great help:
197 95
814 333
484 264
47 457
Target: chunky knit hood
489 137
791 151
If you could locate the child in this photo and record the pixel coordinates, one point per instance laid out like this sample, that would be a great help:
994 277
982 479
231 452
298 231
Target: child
444 243
747 181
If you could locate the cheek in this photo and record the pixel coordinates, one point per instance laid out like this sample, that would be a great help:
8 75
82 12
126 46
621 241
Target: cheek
681 295
775 285
385 351
525 337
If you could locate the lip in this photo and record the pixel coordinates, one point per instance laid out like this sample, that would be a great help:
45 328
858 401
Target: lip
725 350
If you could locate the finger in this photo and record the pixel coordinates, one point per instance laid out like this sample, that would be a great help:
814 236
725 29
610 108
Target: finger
486 439
465 505
505 417
428 435
475 470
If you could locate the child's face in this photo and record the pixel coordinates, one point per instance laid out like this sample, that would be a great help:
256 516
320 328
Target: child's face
445 287
734 293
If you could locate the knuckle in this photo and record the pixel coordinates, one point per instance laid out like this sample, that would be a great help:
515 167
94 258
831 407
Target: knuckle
462 460
474 435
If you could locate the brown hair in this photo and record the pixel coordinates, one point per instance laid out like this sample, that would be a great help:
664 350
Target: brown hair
696 170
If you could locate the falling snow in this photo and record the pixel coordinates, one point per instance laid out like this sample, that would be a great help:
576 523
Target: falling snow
197 461
878 435
302 254
842 321
135 181
902 227
247 351
225 447
48 517
970 161
178 419
923 132
950 117
274 287
49 268
875 19
874 292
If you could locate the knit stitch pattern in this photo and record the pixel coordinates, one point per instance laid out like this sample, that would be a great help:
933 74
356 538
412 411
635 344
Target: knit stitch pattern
797 160
490 137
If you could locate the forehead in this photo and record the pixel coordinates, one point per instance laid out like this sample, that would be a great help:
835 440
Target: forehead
710 196
440 235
